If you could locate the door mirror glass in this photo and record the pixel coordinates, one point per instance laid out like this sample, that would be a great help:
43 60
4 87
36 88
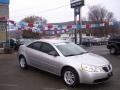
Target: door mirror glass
53 53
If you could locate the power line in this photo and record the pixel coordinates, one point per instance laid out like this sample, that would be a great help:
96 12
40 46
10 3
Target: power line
20 10
44 11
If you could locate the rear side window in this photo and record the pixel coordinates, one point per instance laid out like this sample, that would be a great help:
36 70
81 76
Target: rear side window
35 45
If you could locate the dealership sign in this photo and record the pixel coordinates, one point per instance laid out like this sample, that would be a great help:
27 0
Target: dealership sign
4 1
76 3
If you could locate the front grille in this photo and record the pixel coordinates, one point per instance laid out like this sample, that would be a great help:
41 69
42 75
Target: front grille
107 68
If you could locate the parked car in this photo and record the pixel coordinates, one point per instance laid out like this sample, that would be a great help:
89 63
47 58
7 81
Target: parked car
96 41
86 41
66 59
114 45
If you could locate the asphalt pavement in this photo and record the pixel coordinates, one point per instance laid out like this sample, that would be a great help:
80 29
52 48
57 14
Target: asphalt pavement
14 78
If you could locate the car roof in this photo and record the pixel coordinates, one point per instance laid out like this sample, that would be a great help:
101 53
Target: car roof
52 41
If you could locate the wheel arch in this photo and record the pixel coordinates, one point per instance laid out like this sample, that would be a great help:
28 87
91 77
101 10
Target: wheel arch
21 55
25 56
63 68
113 46
77 73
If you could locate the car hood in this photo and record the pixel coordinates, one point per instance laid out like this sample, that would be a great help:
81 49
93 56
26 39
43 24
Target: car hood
89 59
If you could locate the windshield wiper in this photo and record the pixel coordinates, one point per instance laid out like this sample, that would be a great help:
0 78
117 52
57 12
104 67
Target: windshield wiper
76 54
70 55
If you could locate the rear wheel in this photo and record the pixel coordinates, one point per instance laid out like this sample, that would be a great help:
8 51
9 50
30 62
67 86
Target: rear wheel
113 50
70 77
22 62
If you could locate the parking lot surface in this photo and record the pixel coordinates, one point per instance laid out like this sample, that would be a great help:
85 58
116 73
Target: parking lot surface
14 78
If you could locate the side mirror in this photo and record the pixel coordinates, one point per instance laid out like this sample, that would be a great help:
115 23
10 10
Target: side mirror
53 53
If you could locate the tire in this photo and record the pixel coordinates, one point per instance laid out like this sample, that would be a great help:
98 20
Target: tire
113 51
22 62
70 77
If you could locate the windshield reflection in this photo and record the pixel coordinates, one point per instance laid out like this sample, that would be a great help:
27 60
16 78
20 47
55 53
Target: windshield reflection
70 49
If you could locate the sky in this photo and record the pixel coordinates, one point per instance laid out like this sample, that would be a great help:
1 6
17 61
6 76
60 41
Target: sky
55 11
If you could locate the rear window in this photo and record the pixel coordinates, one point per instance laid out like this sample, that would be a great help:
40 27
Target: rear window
114 37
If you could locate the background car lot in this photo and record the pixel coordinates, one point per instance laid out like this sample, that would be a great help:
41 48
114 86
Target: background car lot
13 78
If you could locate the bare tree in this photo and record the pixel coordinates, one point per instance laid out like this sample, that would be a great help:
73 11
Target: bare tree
33 19
98 14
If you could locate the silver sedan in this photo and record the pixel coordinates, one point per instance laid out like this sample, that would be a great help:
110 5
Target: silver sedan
66 59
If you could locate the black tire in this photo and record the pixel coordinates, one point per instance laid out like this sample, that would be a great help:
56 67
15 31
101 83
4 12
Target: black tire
22 62
113 51
72 81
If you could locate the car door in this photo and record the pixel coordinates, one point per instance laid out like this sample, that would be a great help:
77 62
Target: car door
33 53
48 61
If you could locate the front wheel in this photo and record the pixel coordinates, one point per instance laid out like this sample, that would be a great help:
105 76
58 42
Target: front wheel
22 62
113 51
70 77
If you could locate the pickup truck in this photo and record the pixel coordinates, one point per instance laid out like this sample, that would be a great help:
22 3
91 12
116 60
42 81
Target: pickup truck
114 45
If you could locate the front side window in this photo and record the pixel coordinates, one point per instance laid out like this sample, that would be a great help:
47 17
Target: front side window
47 48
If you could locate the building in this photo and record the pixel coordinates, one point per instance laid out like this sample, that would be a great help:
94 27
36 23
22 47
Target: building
4 16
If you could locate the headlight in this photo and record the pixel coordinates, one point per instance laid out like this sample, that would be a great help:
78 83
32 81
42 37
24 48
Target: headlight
91 68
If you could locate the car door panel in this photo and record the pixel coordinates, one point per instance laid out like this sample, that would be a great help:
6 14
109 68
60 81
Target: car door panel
50 63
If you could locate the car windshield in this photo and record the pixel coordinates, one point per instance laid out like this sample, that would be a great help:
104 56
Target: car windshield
70 49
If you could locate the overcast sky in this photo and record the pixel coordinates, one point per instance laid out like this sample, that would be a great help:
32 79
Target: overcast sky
57 10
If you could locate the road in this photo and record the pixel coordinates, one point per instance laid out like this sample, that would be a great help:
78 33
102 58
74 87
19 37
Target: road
14 78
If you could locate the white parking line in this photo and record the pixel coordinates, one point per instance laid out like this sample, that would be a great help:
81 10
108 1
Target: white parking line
53 89
8 85
49 89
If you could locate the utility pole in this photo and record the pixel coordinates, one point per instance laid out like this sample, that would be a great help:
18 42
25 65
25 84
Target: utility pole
80 23
75 22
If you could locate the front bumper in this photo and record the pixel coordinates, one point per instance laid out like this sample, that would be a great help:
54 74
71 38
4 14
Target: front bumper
94 77
103 79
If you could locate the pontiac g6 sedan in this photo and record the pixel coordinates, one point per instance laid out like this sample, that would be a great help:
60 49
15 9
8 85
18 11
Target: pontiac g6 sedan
66 59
